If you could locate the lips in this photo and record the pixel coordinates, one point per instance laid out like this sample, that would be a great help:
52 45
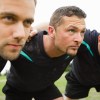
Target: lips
15 46
75 47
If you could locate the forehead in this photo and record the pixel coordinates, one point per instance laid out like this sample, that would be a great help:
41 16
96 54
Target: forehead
73 21
19 7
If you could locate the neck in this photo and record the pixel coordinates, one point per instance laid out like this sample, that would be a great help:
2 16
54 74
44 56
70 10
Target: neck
50 48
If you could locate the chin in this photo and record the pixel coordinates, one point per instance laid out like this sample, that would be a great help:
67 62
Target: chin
13 56
72 53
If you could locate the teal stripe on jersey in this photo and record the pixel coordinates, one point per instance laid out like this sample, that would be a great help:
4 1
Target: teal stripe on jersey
26 56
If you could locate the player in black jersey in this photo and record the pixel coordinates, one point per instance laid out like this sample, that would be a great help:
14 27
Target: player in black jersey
15 27
45 58
85 69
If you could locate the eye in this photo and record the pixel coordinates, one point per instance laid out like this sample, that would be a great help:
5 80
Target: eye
72 30
28 23
82 33
8 18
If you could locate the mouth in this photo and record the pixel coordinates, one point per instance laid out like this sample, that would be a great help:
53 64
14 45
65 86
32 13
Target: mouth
15 46
75 47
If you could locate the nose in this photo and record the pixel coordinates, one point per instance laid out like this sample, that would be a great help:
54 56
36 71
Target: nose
19 31
79 37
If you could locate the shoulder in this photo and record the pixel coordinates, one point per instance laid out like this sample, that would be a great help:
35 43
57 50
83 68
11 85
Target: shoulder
91 33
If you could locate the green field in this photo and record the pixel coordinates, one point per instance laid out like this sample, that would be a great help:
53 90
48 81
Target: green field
2 82
93 95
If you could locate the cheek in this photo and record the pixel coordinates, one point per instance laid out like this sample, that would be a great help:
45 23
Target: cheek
62 42
66 39
27 34
4 36
63 39
5 32
27 37
66 42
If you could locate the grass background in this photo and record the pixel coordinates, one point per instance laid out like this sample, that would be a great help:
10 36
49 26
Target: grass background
2 82
61 83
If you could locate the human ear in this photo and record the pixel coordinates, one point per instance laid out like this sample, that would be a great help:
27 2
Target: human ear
51 31
99 39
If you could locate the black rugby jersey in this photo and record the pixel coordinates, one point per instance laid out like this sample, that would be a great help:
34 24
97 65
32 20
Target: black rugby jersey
2 63
86 65
34 70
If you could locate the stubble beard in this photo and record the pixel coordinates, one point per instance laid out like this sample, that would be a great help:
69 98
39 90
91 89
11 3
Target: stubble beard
10 56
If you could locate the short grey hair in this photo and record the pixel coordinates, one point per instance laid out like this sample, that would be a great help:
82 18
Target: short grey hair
69 11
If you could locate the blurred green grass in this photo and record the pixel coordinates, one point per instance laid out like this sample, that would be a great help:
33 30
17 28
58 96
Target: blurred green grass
61 83
2 82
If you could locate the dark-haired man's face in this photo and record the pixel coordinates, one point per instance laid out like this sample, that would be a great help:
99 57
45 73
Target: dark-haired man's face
16 17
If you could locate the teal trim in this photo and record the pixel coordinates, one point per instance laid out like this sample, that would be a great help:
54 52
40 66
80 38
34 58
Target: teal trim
88 47
67 57
26 56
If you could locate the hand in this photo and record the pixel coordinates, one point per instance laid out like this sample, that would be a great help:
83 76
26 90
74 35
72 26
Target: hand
33 32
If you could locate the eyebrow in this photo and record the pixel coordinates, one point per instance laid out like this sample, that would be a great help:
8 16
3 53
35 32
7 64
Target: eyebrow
77 28
15 16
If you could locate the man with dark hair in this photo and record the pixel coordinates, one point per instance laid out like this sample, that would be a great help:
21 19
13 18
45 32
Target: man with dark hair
15 27
45 58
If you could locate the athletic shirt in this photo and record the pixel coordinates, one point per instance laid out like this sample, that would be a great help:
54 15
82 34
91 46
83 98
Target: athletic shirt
2 63
86 65
34 70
